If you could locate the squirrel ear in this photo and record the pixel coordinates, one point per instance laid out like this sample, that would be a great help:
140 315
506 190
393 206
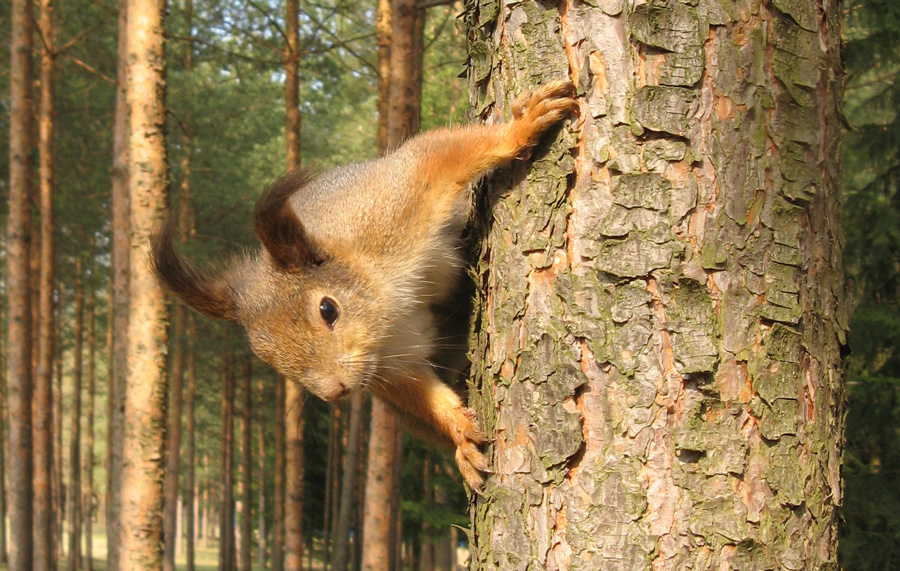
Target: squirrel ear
279 229
207 294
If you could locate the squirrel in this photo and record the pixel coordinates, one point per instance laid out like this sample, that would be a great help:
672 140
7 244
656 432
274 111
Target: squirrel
340 296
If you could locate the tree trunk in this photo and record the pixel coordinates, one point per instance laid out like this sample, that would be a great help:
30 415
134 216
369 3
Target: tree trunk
293 459
332 503
190 454
226 514
245 556
18 229
377 511
121 250
660 323
4 422
261 478
59 481
348 485
42 407
402 121
279 500
293 517
73 498
144 386
87 509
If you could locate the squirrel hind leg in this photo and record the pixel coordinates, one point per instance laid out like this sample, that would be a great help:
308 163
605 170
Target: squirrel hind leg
536 112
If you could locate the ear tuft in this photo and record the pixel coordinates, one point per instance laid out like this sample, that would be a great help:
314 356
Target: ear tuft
207 294
279 229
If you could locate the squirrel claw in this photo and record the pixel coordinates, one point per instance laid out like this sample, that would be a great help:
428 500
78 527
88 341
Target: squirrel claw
470 460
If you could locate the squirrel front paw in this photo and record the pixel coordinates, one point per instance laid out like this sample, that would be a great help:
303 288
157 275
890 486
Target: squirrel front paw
468 439
537 111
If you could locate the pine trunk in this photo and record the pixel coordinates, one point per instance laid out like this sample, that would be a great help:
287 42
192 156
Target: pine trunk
348 485
261 491
145 386
73 498
42 408
121 250
661 317
190 455
18 230
245 556
87 509
293 459
377 512
279 500
226 513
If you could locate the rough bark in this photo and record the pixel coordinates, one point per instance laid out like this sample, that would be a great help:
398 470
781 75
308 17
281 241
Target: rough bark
279 489
348 485
245 558
226 513
658 339
18 229
121 247
73 498
87 509
145 384
42 408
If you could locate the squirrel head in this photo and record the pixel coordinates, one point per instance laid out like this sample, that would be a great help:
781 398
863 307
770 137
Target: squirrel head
315 318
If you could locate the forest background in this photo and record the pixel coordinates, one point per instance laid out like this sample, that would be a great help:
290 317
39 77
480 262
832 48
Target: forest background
226 107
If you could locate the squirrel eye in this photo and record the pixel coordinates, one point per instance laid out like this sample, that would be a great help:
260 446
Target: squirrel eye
329 310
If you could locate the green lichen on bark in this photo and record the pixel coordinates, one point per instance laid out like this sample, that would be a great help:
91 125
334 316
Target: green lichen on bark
657 340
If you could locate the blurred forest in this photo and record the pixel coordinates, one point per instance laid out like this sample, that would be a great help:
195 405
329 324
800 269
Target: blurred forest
225 136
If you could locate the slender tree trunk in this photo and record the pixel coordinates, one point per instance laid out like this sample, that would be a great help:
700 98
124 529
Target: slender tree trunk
348 485
402 121
4 422
43 388
226 514
73 499
379 486
87 509
190 498
121 249
246 558
293 517
59 492
333 505
662 377
383 38
279 500
145 385
18 229
261 478
293 459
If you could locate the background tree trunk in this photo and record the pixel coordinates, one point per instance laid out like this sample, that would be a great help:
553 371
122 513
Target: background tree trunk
18 229
87 510
190 455
121 250
261 478
279 489
348 485
144 387
226 514
73 498
245 556
42 407
658 341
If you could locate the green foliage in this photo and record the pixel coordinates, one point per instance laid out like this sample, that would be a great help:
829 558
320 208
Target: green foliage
871 537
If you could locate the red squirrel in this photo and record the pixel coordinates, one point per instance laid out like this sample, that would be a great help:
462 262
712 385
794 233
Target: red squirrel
340 295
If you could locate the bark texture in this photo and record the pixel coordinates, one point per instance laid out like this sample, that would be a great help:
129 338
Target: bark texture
144 387
43 379
18 230
658 343
121 250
